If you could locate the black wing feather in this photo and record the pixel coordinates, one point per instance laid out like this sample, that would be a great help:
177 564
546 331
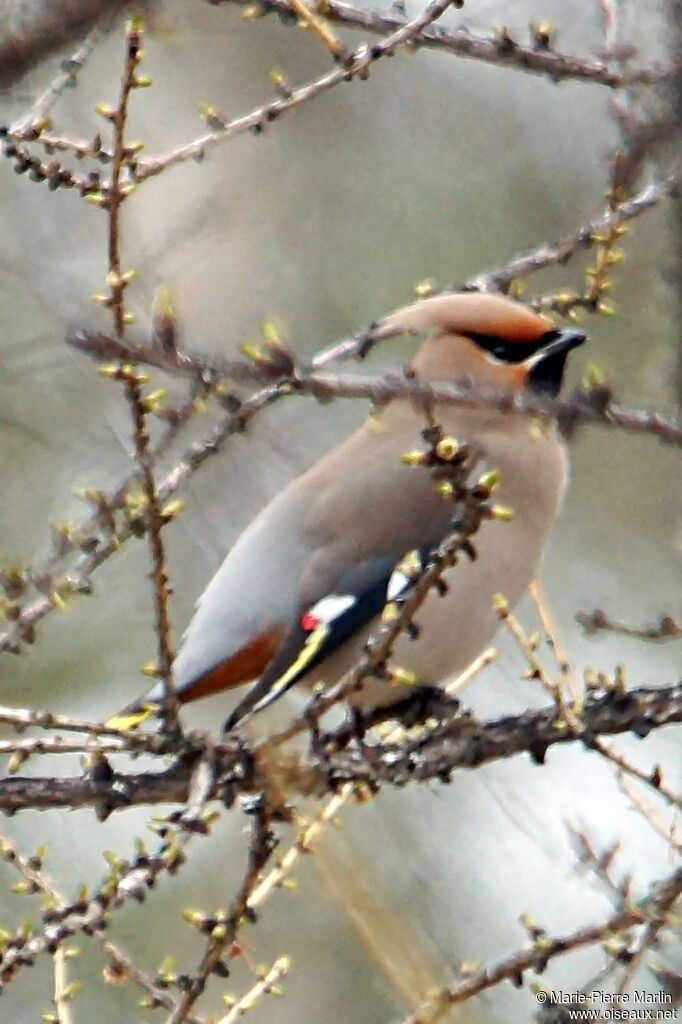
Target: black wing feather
367 583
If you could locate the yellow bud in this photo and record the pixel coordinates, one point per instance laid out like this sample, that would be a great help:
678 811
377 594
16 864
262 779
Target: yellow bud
15 762
402 676
447 448
390 612
95 198
425 288
163 304
252 352
153 400
150 668
500 604
87 494
502 512
411 564
193 917
173 508
100 299
104 110
109 370
606 309
142 82
593 375
57 601
269 331
491 479
536 431
413 458
252 12
444 488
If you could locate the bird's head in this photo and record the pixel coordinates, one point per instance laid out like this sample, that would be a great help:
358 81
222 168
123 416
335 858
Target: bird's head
492 340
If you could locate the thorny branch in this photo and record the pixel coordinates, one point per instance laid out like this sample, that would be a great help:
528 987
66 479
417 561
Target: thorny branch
98 544
591 405
112 199
511 968
349 759
357 66
598 621
457 741
499 48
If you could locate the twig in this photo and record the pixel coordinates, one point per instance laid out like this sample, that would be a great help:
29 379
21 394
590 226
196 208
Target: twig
22 718
38 882
303 845
260 850
62 993
551 632
499 277
27 34
588 405
457 742
262 987
358 65
125 881
319 26
550 254
34 120
594 622
666 831
498 48
510 968
113 197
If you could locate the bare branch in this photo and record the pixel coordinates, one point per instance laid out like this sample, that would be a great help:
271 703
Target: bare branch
28 32
655 907
458 741
357 66
597 621
498 48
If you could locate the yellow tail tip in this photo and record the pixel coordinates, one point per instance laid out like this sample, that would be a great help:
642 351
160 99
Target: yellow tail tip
125 721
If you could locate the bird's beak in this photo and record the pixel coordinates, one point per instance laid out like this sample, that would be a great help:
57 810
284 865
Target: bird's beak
546 366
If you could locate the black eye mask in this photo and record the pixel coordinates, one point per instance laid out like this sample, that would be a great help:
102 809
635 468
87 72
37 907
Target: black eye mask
512 351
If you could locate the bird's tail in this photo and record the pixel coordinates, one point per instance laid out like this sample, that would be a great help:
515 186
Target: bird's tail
137 712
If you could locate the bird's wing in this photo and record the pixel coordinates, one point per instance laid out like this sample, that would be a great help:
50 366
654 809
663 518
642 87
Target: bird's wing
329 533
361 594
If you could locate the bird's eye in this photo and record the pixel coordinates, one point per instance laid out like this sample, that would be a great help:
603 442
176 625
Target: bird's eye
507 351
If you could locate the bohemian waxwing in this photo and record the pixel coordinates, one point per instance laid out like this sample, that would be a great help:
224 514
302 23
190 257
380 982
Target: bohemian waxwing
303 587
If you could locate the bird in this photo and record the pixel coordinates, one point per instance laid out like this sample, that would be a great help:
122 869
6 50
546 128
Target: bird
303 587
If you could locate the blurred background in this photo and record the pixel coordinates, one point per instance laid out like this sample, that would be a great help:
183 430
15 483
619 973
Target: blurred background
437 168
